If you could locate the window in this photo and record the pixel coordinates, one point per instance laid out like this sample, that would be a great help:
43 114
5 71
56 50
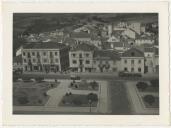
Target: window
132 69
44 53
125 69
56 53
56 60
87 62
34 60
33 53
87 54
45 60
73 54
139 69
132 54
132 61
74 62
139 61
80 55
125 61
24 53
25 61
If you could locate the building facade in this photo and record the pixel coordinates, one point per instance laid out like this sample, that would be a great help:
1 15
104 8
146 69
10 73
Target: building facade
81 58
106 61
132 61
45 57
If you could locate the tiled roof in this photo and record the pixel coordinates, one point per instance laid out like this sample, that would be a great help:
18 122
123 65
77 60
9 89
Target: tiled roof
106 54
84 47
44 45
80 35
133 52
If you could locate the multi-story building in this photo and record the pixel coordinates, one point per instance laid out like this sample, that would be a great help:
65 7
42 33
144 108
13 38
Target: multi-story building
47 57
132 60
81 58
106 61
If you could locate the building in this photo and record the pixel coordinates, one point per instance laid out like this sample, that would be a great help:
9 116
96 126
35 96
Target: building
106 61
144 40
132 60
156 60
45 57
149 59
17 63
81 58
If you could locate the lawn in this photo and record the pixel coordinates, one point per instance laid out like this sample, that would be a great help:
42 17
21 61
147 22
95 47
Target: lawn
76 100
31 93
84 85
118 98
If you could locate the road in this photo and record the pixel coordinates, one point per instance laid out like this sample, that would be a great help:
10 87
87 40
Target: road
91 76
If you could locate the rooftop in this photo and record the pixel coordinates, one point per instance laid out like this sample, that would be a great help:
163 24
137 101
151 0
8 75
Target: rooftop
106 54
84 47
80 35
44 45
133 52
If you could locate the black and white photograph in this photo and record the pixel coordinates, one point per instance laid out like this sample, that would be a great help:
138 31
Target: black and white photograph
85 63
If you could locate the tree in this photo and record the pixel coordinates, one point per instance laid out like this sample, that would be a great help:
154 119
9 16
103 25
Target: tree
149 99
94 84
142 85
93 97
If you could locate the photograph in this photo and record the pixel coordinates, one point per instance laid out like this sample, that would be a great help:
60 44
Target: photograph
85 63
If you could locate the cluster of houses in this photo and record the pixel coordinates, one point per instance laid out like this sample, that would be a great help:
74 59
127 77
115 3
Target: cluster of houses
91 48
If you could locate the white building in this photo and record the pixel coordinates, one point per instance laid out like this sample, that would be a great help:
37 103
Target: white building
133 61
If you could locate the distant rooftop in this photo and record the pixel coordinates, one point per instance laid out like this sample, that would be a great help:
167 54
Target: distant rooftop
84 47
106 54
44 45
133 52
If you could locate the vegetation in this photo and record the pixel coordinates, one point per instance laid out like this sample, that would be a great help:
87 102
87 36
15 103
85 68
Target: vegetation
142 86
39 79
149 99
92 97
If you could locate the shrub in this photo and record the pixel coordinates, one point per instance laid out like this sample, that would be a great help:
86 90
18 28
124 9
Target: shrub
93 97
52 85
70 93
77 101
76 86
56 80
39 79
155 83
142 85
23 100
149 99
94 84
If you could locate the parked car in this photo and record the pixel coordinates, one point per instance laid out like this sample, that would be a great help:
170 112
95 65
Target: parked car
75 77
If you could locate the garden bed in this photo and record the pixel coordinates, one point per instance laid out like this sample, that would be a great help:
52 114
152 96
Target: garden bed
32 93
76 100
84 85
155 104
